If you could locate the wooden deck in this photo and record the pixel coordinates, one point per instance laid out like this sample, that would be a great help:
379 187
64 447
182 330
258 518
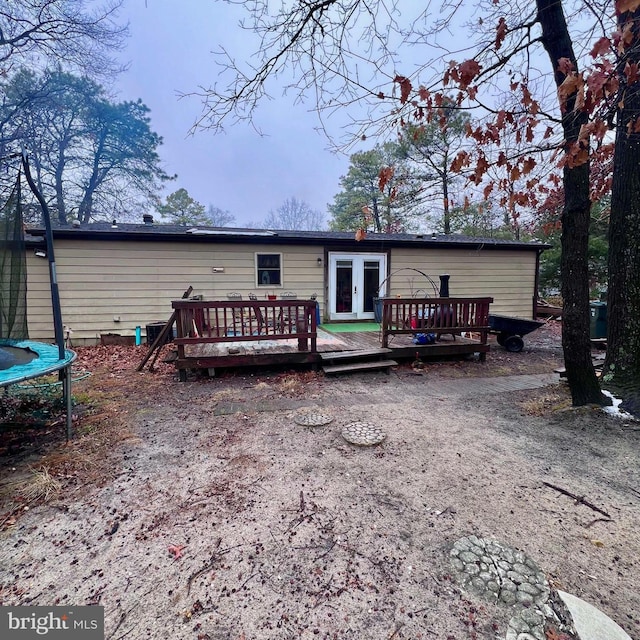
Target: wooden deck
402 346
224 334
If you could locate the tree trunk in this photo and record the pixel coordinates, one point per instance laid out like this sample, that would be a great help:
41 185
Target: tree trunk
85 209
622 364
86 204
445 201
59 186
574 273
377 222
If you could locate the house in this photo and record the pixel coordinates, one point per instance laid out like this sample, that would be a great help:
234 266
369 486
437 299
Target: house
116 277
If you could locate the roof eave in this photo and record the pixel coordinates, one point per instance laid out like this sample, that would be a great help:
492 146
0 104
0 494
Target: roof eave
275 237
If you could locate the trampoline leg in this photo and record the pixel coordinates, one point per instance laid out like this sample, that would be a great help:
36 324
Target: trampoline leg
66 386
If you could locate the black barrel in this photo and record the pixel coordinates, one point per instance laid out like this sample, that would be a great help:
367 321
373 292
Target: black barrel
154 330
444 285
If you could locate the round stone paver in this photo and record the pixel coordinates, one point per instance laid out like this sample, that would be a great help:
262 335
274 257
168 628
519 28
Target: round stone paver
499 572
363 434
313 419
510 578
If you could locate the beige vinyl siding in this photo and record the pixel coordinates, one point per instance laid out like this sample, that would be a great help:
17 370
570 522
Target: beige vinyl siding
136 281
506 276
39 310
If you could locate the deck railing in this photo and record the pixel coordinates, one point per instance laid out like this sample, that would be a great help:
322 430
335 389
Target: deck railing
217 321
435 315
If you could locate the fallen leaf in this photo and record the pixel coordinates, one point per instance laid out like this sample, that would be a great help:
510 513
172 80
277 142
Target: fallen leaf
554 634
176 550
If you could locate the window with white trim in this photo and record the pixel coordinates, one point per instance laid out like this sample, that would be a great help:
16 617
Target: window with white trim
268 269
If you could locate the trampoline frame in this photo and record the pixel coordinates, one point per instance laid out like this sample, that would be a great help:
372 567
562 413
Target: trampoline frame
47 362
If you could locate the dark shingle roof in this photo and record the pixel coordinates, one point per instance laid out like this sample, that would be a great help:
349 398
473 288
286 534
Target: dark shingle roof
178 233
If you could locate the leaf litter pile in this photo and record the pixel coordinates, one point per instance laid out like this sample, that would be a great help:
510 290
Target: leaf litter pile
204 510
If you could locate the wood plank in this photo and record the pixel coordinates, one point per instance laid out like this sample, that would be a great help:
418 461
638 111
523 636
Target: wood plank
162 336
359 366
347 355
253 360
598 365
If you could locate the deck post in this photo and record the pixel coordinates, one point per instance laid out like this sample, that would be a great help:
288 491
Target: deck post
386 310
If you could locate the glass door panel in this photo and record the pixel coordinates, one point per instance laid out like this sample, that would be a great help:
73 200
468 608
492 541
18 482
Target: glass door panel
344 290
371 284
354 281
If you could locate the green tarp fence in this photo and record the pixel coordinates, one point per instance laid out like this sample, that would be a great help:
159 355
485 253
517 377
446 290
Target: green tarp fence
13 270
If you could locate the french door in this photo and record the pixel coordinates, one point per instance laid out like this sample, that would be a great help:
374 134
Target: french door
354 281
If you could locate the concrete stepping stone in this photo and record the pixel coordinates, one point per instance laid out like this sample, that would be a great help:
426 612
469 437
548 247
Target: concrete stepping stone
313 419
591 623
510 578
363 434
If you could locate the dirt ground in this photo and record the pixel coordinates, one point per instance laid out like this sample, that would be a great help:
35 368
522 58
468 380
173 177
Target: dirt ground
202 511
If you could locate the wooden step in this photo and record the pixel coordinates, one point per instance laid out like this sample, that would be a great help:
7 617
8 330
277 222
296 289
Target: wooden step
359 366
353 355
598 365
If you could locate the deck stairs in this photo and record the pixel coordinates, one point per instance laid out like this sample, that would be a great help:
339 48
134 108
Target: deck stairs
358 360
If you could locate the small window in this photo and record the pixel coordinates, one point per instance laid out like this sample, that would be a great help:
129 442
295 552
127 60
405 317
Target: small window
268 269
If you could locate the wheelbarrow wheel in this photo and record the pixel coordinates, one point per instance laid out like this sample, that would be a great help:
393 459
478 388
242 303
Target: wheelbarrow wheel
514 344
501 338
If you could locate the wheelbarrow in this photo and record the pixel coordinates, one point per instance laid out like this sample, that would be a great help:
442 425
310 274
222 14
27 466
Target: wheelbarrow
510 330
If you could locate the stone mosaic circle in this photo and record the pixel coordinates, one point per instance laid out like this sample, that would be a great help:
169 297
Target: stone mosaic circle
363 434
498 572
510 578
313 419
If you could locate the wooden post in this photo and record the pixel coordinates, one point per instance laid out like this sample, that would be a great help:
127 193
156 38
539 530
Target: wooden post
161 337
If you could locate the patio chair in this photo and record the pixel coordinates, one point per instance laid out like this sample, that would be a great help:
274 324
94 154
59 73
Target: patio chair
254 316
237 313
289 318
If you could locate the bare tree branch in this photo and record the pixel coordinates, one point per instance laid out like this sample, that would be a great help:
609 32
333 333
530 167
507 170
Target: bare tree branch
79 35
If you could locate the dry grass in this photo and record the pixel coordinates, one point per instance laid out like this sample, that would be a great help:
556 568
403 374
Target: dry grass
41 486
100 425
546 401
224 395
17 495
289 384
38 486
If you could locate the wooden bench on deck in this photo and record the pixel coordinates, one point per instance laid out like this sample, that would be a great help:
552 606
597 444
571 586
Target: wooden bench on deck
440 316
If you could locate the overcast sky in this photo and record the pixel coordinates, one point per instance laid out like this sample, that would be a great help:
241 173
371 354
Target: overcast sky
170 52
